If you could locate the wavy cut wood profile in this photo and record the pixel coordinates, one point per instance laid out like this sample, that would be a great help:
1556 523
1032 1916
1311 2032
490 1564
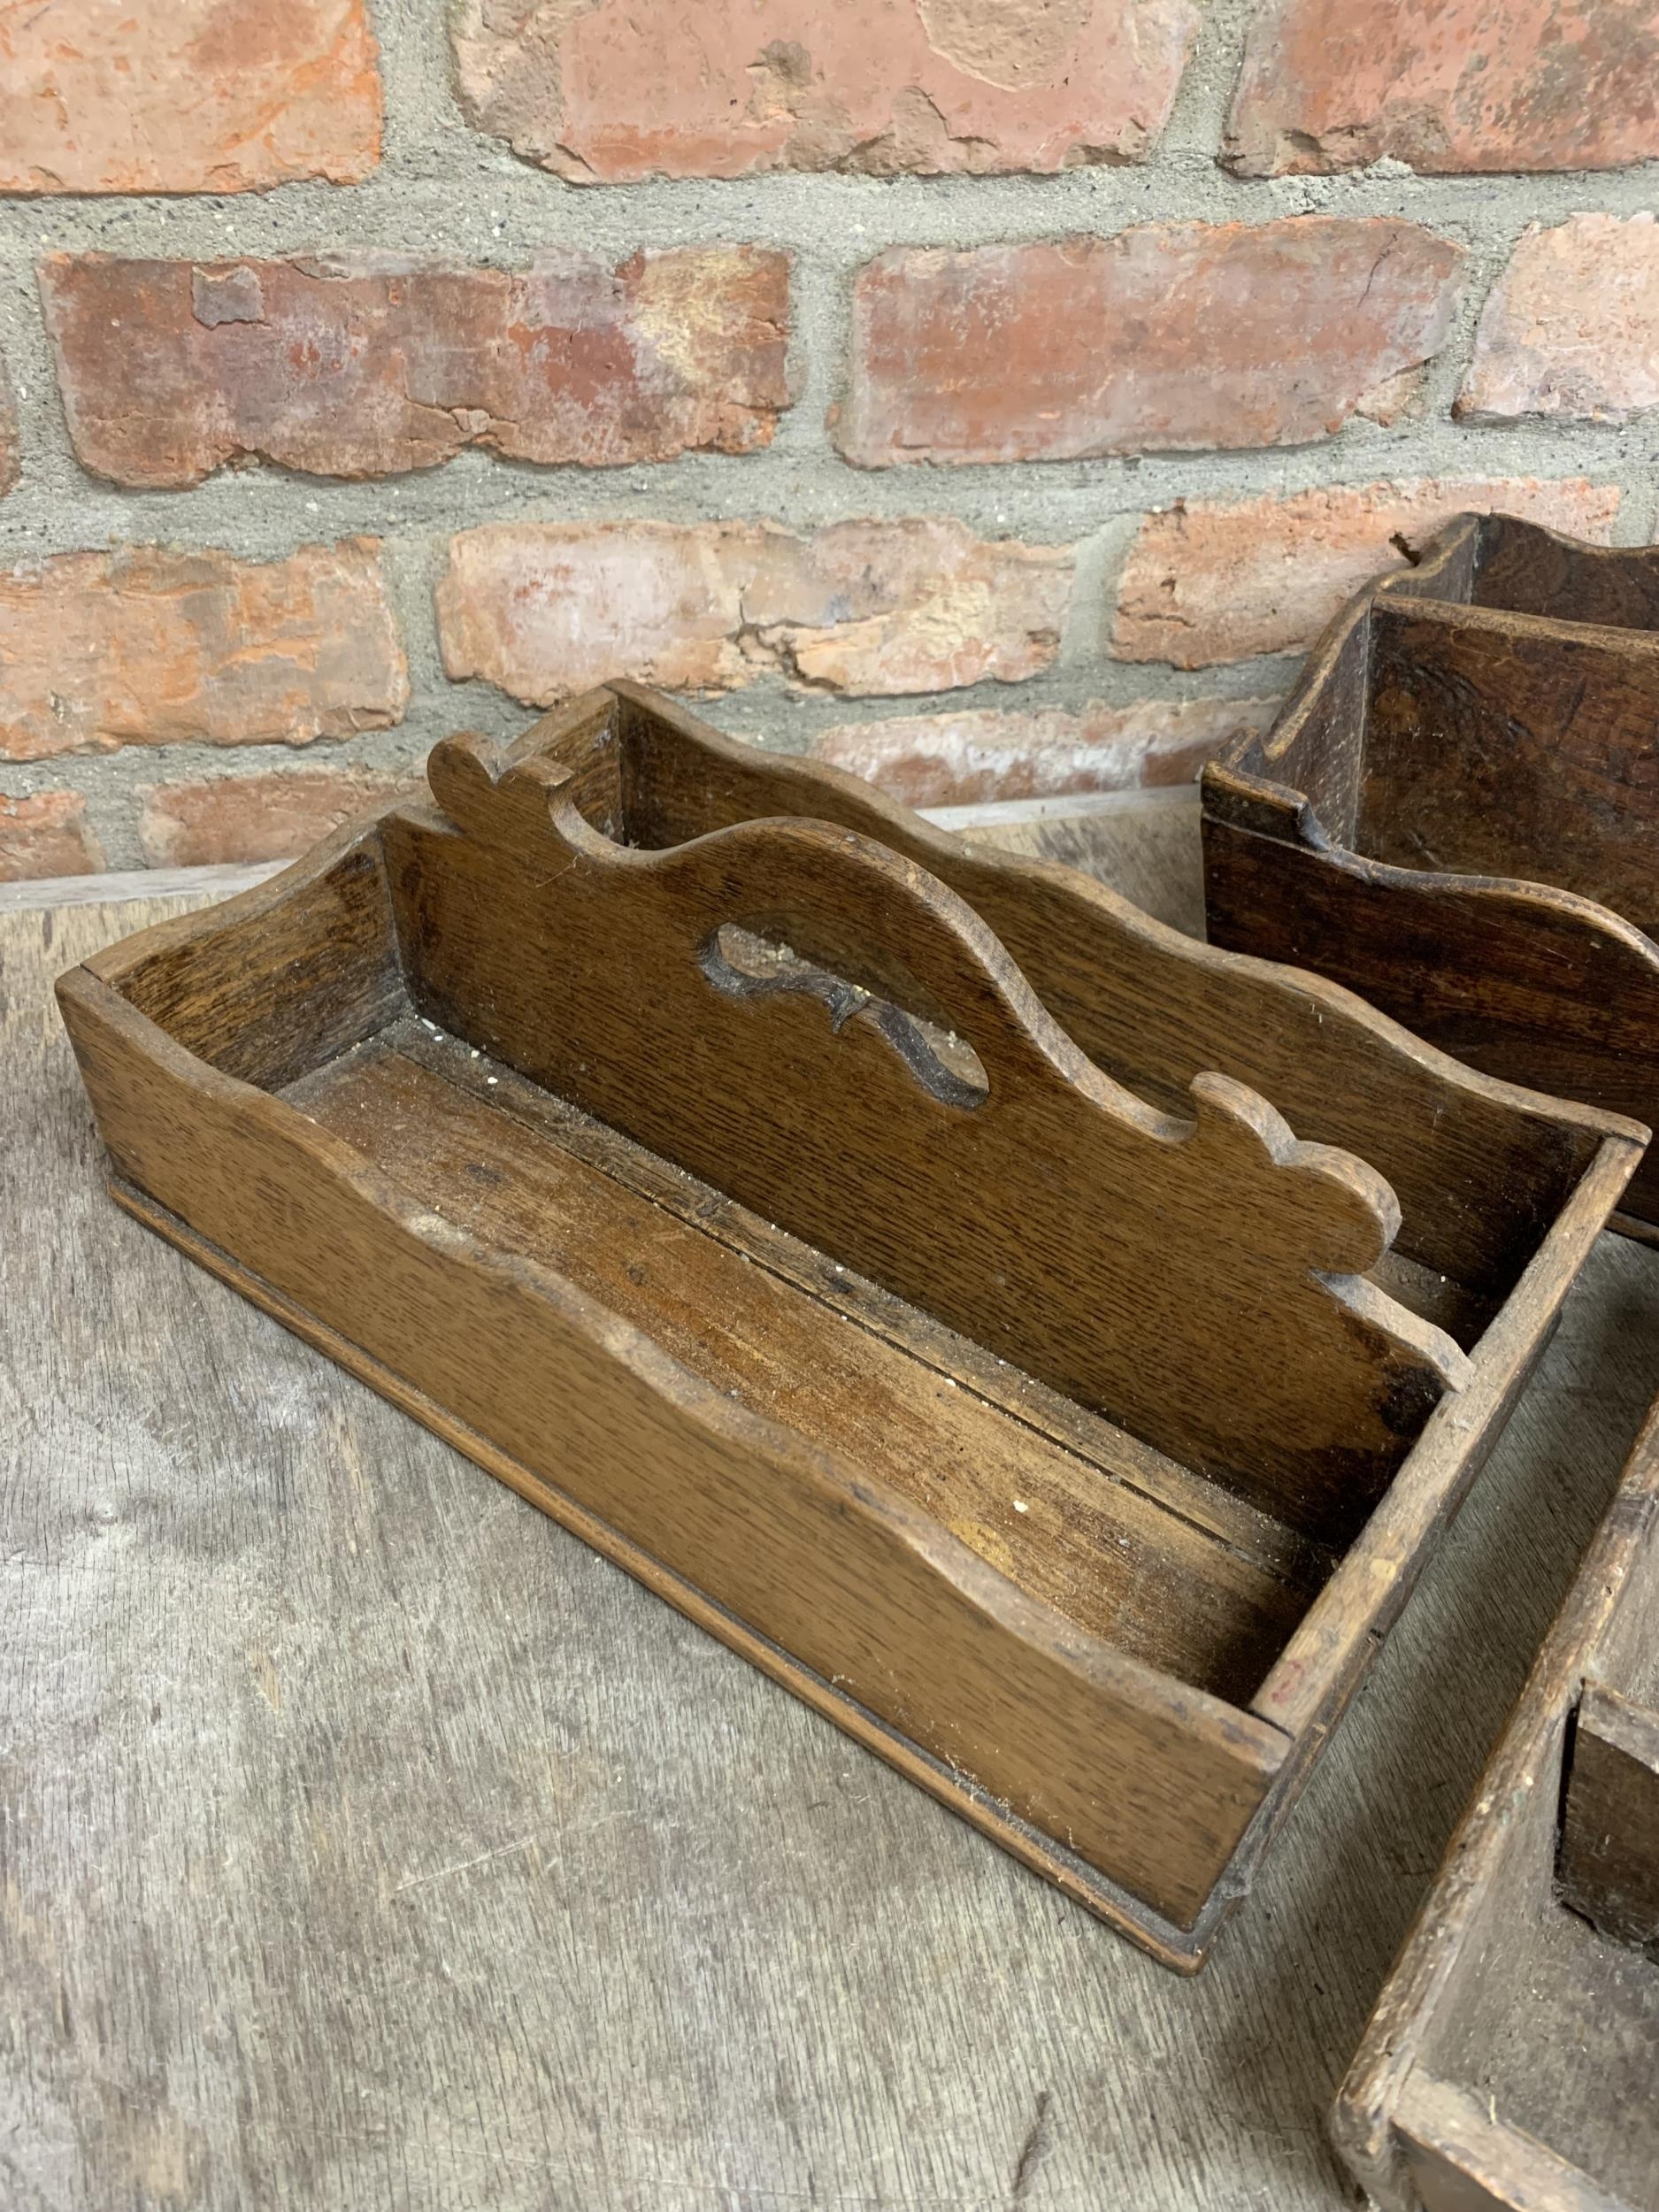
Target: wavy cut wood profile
1047 1345
1457 815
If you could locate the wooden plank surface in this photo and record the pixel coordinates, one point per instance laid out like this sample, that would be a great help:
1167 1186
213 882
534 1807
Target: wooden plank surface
365 1842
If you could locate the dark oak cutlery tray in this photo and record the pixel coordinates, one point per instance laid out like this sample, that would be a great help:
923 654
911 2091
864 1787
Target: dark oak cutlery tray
1457 815
1513 2059
1047 1345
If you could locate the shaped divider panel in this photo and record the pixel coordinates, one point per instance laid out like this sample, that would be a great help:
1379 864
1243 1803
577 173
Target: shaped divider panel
1200 1277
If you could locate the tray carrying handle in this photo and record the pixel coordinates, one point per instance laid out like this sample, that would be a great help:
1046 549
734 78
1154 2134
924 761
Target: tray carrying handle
842 903
1202 1279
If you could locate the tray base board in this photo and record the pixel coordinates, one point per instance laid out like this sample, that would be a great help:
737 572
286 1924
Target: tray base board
1183 1949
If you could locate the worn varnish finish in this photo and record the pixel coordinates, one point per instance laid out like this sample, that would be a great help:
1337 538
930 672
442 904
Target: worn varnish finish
662 1125
370 1843
1457 815
1512 2061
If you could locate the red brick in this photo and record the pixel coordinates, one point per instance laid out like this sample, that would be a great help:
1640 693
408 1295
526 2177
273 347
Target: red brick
46 835
918 605
1039 752
1211 581
148 646
1571 328
1446 85
187 96
617 90
367 364
274 816
1172 336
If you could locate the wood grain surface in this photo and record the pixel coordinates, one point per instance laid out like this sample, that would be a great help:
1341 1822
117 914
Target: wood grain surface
1095 1241
368 1843
1455 815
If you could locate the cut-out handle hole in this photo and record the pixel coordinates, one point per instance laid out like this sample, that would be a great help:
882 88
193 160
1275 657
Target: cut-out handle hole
745 965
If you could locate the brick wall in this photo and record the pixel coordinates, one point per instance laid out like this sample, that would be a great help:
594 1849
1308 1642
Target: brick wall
993 396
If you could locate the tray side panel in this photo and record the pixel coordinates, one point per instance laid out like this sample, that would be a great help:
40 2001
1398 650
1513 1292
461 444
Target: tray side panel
1340 1630
1149 1782
1460 2159
1608 1863
1529 985
903 1408
1503 747
1184 1950
1526 569
282 979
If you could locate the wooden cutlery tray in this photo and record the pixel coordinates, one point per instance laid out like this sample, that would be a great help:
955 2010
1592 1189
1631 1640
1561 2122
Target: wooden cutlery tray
1457 815
898 1256
1513 2059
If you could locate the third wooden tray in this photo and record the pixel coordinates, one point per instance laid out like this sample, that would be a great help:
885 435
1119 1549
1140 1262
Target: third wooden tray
1513 2062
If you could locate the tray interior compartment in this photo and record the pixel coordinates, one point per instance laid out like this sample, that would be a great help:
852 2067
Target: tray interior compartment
1117 1537
277 995
1488 751
1553 2027
309 999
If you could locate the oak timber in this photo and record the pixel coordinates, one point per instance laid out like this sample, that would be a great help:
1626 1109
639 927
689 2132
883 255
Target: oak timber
365 1848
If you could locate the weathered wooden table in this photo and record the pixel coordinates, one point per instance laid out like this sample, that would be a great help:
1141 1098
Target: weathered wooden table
364 1841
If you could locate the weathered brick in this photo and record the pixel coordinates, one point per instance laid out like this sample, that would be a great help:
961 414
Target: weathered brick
1571 328
1039 752
272 817
46 835
1446 85
615 90
187 96
917 604
149 646
1172 336
1211 581
367 364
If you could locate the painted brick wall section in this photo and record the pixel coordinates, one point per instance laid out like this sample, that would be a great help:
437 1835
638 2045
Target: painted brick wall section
45 834
272 817
1571 328
1042 376
987 754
